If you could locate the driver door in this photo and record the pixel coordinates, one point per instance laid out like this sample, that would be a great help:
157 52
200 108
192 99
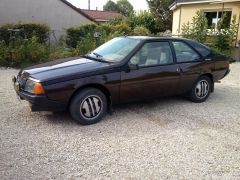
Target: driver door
157 74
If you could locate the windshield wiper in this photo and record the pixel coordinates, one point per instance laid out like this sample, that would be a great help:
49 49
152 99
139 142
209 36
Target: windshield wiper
96 59
97 55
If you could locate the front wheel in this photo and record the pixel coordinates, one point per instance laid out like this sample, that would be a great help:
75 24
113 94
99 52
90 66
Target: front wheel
201 89
88 106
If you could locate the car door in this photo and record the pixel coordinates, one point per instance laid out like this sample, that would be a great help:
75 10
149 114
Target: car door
190 64
155 75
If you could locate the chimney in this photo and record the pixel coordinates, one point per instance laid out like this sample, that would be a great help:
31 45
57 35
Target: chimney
89 4
96 8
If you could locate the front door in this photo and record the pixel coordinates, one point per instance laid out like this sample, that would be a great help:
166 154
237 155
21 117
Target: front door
157 74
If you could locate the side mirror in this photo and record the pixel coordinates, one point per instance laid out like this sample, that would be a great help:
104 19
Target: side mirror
133 66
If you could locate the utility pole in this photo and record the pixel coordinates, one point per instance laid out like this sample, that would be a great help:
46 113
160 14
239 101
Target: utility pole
89 4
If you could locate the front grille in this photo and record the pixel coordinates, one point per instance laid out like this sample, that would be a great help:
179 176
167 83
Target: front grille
21 82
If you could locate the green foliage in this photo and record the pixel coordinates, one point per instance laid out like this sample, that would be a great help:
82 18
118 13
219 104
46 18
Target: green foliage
122 6
111 6
25 31
4 53
62 52
145 19
160 10
141 31
197 29
77 34
220 39
22 52
125 7
223 39
121 29
86 45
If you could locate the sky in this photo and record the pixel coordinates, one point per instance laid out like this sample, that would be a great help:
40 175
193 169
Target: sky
83 4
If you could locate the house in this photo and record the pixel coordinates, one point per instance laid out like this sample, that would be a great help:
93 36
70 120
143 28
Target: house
57 14
101 16
184 10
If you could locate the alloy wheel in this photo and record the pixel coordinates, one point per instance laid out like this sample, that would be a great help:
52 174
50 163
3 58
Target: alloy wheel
202 89
91 107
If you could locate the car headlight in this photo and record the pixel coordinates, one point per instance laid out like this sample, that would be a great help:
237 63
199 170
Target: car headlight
34 87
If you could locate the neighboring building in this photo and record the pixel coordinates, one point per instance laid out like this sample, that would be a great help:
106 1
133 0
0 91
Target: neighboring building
101 16
184 10
58 14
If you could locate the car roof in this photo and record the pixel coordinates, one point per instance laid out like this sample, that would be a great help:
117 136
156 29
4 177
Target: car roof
156 38
143 38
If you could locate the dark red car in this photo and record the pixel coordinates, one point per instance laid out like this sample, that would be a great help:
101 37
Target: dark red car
122 70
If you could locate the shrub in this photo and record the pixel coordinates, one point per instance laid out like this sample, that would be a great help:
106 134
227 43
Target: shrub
23 52
223 39
4 53
197 29
144 19
121 29
85 46
141 31
77 34
24 31
61 52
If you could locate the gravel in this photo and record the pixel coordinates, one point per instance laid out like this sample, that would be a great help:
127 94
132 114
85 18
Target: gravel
168 138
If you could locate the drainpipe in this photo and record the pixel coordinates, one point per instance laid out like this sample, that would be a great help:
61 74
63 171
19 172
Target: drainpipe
236 42
179 22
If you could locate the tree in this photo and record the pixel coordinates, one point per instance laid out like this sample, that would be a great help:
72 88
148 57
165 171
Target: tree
160 9
122 6
111 6
125 7
197 29
145 19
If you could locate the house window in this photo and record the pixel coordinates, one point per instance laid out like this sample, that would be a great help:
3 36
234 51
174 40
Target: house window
214 17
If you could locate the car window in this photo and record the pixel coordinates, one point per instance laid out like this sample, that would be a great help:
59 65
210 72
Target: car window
202 49
116 49
185 53
153 53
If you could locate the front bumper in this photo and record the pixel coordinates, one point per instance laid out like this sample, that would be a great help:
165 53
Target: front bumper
38 102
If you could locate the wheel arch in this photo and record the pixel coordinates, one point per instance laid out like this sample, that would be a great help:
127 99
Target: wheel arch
100 87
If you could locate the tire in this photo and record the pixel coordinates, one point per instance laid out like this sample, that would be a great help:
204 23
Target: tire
89 106
201 89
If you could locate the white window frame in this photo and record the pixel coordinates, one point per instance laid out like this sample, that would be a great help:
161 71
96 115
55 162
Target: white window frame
217 11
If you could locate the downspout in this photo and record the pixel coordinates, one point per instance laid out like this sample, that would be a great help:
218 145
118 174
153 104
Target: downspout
179 22
236 42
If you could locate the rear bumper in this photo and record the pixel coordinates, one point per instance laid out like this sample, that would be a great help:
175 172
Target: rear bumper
228 71
41 103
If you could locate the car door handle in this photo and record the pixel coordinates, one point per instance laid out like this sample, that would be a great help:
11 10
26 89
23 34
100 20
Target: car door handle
178 70
208 59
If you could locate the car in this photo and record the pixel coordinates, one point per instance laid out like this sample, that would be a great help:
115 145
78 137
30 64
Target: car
129 68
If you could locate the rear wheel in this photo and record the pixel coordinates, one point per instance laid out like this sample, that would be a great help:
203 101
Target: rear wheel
201 89
88 106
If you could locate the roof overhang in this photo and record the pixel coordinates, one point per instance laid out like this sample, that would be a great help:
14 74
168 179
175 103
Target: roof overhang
77 10
176 4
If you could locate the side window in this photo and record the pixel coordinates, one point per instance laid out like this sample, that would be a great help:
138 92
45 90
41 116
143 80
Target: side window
184 53
202 49
154 53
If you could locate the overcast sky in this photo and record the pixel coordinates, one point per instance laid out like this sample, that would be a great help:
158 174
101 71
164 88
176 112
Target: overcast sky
137 4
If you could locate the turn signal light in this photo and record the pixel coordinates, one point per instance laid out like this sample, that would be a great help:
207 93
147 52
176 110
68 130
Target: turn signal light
38 89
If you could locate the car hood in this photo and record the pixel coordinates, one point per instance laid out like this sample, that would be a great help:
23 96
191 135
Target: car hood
63 69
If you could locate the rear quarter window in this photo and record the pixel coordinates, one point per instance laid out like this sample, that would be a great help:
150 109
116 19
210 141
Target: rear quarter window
202 49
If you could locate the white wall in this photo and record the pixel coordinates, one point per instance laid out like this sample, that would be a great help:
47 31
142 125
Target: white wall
52 12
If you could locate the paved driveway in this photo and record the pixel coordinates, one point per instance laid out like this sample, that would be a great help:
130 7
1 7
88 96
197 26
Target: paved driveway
168 138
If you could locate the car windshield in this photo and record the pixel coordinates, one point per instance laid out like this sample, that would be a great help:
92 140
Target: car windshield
115 50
